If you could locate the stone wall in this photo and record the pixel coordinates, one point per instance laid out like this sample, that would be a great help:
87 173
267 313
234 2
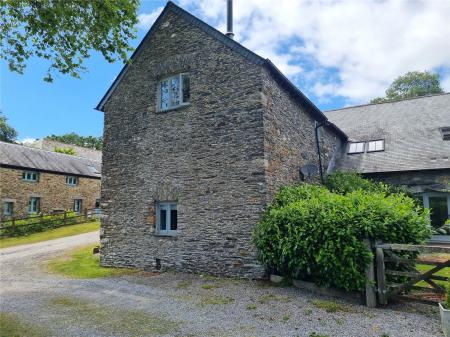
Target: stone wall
51 188
207 156
416 181
289 138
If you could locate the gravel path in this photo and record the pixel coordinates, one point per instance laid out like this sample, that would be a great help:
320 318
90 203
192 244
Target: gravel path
172 304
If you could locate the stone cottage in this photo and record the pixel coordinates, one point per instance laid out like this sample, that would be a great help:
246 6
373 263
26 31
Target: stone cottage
37 181
199 134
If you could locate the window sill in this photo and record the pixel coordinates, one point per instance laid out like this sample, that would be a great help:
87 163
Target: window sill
179 107
169 236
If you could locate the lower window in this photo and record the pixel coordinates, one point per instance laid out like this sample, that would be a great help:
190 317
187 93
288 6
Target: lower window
8 208
34 205
166 218
439 205
77 203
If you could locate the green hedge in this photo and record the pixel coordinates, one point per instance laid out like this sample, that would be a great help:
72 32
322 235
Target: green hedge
38 224
314 234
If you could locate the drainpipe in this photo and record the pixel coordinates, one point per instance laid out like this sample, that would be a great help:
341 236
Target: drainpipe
316 131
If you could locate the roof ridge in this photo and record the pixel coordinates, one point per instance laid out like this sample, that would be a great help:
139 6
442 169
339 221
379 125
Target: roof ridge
393 101
56 153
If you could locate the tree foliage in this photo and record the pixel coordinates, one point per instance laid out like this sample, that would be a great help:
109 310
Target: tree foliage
412 84
65 150
7 132
314 234
65 31
75 139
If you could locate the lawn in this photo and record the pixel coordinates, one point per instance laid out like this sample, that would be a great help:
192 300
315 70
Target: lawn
443 272
50 234
82 263
12 326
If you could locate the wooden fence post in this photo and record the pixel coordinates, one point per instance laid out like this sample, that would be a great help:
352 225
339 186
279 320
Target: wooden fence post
65 218
371 296
381 277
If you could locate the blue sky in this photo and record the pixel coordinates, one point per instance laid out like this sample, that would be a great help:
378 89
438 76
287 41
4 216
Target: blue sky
338 53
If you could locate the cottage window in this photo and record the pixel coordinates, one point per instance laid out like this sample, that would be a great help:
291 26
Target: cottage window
71 180
8 208
439 205
30 176
77 203
166 218
356 147
445 131
173 91
375 145
34 205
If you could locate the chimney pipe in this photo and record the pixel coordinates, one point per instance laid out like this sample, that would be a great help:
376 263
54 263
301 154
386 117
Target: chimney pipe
230 33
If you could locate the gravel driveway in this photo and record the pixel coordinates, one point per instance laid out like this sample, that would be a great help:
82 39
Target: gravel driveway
172 304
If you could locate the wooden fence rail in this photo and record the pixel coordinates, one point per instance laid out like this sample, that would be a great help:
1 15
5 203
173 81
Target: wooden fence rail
402 281
26 225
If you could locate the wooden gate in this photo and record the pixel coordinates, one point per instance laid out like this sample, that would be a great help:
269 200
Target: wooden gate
402 283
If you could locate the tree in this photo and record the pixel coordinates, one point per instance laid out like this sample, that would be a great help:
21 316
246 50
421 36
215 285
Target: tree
75 139
7 133
412 84
65 31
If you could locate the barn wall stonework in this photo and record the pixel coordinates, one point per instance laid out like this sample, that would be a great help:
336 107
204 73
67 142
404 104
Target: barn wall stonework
207 156
51 188
289 138
219 157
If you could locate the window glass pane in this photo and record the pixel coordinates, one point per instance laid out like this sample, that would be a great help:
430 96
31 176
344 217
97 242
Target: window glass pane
164 94
439 210
186 88
173 219
356 147
372 146
379 145
175 91
162 219
359 147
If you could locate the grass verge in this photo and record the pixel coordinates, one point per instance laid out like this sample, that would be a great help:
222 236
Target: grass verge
331 306
50 234
12 326
81 263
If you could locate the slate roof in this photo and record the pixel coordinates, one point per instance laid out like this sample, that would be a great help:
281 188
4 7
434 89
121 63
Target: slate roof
19 156
410 128
237 47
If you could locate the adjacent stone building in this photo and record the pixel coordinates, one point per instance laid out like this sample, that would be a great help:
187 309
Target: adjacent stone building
199 134
37 181
404 143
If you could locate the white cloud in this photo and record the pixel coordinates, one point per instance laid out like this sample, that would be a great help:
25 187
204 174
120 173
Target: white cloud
364 44
146 20
27 140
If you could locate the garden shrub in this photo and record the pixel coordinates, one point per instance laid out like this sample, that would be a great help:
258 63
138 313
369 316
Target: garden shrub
314 234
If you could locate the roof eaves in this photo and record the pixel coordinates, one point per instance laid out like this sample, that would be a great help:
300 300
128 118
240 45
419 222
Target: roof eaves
305 101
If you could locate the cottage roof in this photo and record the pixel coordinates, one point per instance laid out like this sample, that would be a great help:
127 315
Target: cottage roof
19 156
237 47
411 130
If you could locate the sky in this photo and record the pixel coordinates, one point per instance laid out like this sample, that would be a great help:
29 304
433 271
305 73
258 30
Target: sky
339 53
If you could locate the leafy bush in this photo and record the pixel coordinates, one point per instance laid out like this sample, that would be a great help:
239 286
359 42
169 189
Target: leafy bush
311 233
65 150
447 297
39 223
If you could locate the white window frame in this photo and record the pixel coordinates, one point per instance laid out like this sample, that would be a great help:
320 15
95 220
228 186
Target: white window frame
356 144
30 176
71 180
180 94
426 200
379 145
34 205
8 208
168 207
77 205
